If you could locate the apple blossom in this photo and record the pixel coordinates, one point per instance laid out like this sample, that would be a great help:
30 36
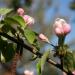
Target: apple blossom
43 37
61 27
28 19
20 11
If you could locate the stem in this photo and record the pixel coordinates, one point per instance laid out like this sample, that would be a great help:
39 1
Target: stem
51 44
60 44
61 40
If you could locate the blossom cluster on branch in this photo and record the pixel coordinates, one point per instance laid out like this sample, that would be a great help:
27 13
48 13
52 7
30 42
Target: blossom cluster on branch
22 33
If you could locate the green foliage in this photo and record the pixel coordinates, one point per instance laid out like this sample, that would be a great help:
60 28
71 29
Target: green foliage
39 67
44 58
7 28
68 61
7 50
11 25
15 26
30 35
4 11
15 20
42 61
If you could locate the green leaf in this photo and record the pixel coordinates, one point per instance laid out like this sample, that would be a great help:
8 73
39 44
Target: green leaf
44 58
41 62
8 52
36 44
6 28
4 11
15 20
3 43
68 61
39 67
30 35
34 57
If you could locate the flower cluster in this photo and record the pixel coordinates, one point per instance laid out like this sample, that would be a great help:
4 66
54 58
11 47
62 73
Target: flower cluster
61 27
28 19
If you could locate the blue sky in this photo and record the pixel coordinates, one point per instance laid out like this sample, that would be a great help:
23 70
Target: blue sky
65 11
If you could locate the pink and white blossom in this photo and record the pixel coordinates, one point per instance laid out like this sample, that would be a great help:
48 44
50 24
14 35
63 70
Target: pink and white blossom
61 27
28 19
20 11
43 37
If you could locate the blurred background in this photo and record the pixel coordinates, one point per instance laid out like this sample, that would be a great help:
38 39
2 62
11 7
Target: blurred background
44 12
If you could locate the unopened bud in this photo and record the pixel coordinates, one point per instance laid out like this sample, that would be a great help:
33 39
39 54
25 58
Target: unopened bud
20 11
43 37
61 27
29 20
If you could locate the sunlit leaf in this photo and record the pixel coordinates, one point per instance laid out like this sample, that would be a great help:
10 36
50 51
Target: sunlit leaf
41 62
68 61
39 67
30 35
15 20
4 11
44 58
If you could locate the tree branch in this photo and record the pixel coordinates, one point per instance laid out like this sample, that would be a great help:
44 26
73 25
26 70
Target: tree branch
31 50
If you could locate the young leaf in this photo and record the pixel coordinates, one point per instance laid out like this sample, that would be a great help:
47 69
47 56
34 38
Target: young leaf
39 67
4 11
68 61
41 62
44 58
30 35
15 20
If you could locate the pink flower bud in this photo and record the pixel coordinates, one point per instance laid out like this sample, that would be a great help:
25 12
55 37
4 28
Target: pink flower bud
73 72
20 11
29 20
59 31
67 29
27 72
61 27
43 37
